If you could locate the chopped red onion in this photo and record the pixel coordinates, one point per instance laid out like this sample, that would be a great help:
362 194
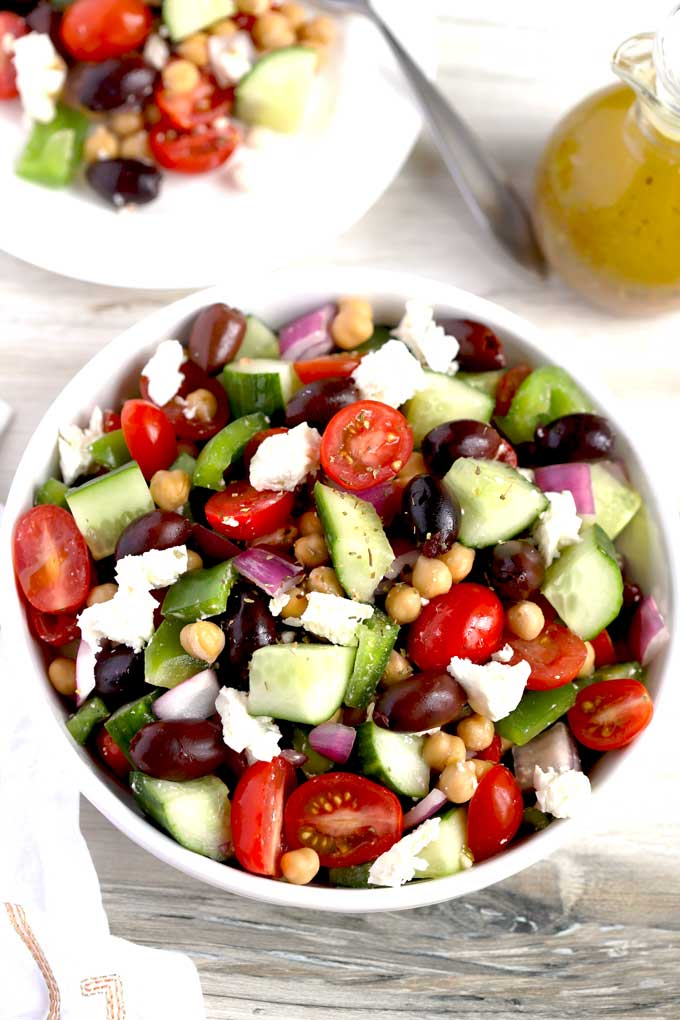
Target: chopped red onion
574 478
648 632
406 559
309 336
554 748
296 758
385 498
192 699
424 809
268 570
85 663
333 740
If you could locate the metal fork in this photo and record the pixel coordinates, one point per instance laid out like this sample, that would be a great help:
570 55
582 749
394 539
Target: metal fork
490 198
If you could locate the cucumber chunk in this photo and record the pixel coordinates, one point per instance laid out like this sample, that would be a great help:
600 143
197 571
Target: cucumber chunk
485 382
197 813
200 594
545 395
497 502
129 720
184 17
224 448
615 502
357 543
52 491
300 683
166 663
446 854
90 713
258 384
276 92
536 711
110 450
260 341
377 637
355 877
104 506
394 759
445 398
584 585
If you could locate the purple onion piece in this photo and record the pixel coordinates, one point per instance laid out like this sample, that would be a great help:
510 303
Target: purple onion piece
85 663
267 570
574 478
296 758
192 699
309 336
648 631
554 748
424 809
333 740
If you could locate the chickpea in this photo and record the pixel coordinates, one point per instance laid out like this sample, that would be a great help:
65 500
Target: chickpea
136 146
310 523
201 405
525 620
318 30
180 76
481 767
195 49
272 31
311 550
299 867
459 781
398 668
126 122
225 28
296 604
413 467
202 640
152 115
324 579
431 577
256 7
100 144
62 676
403 603
459 560
101 593
295 13
442 749
476 731
170 489
194 561
588 667
353 324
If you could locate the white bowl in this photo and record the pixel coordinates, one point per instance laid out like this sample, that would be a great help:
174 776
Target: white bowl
107 378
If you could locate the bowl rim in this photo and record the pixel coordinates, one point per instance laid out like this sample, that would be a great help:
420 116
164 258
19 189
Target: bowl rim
301 287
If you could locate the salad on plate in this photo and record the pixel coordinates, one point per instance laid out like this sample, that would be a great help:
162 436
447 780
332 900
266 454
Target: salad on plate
342 602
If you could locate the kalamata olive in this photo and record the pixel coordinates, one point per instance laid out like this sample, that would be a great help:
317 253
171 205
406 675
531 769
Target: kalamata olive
422 702
122 182
119 674
480 348
575 437
515 569
250 627
317 402
179 749
159 529
114 84
211 545
430 515
216 335
464 438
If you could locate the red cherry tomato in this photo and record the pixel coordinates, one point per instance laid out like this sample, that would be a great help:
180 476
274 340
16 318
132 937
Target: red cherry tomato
603 646
149 436
51 560
176 410
243 512
100 29
333 366
257 815
55 629
253 445
609 714
11 27
364 444
201 105
508 386
555 656
494 752
111 754
193 152
347 819
467 622
494 813
111 421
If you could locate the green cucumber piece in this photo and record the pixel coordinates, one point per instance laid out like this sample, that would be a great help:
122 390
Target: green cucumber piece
485 382
615 502
224 448
185 462
90 713
110 450
201 593
104 506
536 711
584 585
393 759
129 720
196 813
351 878
52 491
447 854
445 398
258 384
259 341
497 502
381 334
299 683
184 17
316 763
356 539
166 663
276 92
377 638
545 395
54 151
621 671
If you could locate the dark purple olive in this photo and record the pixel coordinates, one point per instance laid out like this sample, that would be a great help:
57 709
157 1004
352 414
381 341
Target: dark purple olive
480 348
178 749
632 597
122 182
250 627
515 569
216 335
317 402
114 84
464 438
430 515
119 675
21 7
575 437
159 529
422 702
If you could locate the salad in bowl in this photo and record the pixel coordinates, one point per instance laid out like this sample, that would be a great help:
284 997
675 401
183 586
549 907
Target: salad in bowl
344 599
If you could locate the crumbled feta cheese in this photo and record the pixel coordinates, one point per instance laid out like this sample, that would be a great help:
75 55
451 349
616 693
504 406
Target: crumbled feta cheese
494 689
281 462
400 863
562 794
334 618
41 74
503 654
258 736
558 526
157 568
391 375
230 57
162 372
261 138
278 602
156 51
428 341
73 444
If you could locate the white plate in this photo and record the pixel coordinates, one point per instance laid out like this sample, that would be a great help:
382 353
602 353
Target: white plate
361 128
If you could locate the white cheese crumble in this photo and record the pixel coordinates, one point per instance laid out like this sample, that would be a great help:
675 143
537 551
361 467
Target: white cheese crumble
156 51
278 602
400 863
41 74
503 654
494 689
428 341
258 736
281 462
558 527
156 568
73 445
230 58
162 372
562 794
334 618
391 375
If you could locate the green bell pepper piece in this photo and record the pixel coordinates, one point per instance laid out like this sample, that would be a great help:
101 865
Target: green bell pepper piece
316 763
534 817
185 462
381 335
52 491
54 151
536 711
224 448
110 450
200 593
166 664
90 713
129 720
548 393
622 671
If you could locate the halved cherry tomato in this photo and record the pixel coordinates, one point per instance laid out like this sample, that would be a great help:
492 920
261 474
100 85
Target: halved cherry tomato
53 628
243 512
508 386
193 152
494 752
333 366
111 422
51 560
176 410
347 819
609 714
494 813
201 105
253 445
364 444
100 29
257 815
467 622
603 646
11 27
555 656
111 753
149 436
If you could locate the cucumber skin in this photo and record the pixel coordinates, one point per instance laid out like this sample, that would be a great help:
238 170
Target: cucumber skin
355 877
546 394
152 796
81 724
249 394
124 489
377 638
444 399
373 767
602 546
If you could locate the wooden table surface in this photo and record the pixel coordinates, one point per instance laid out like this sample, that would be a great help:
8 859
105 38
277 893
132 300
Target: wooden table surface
593 931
